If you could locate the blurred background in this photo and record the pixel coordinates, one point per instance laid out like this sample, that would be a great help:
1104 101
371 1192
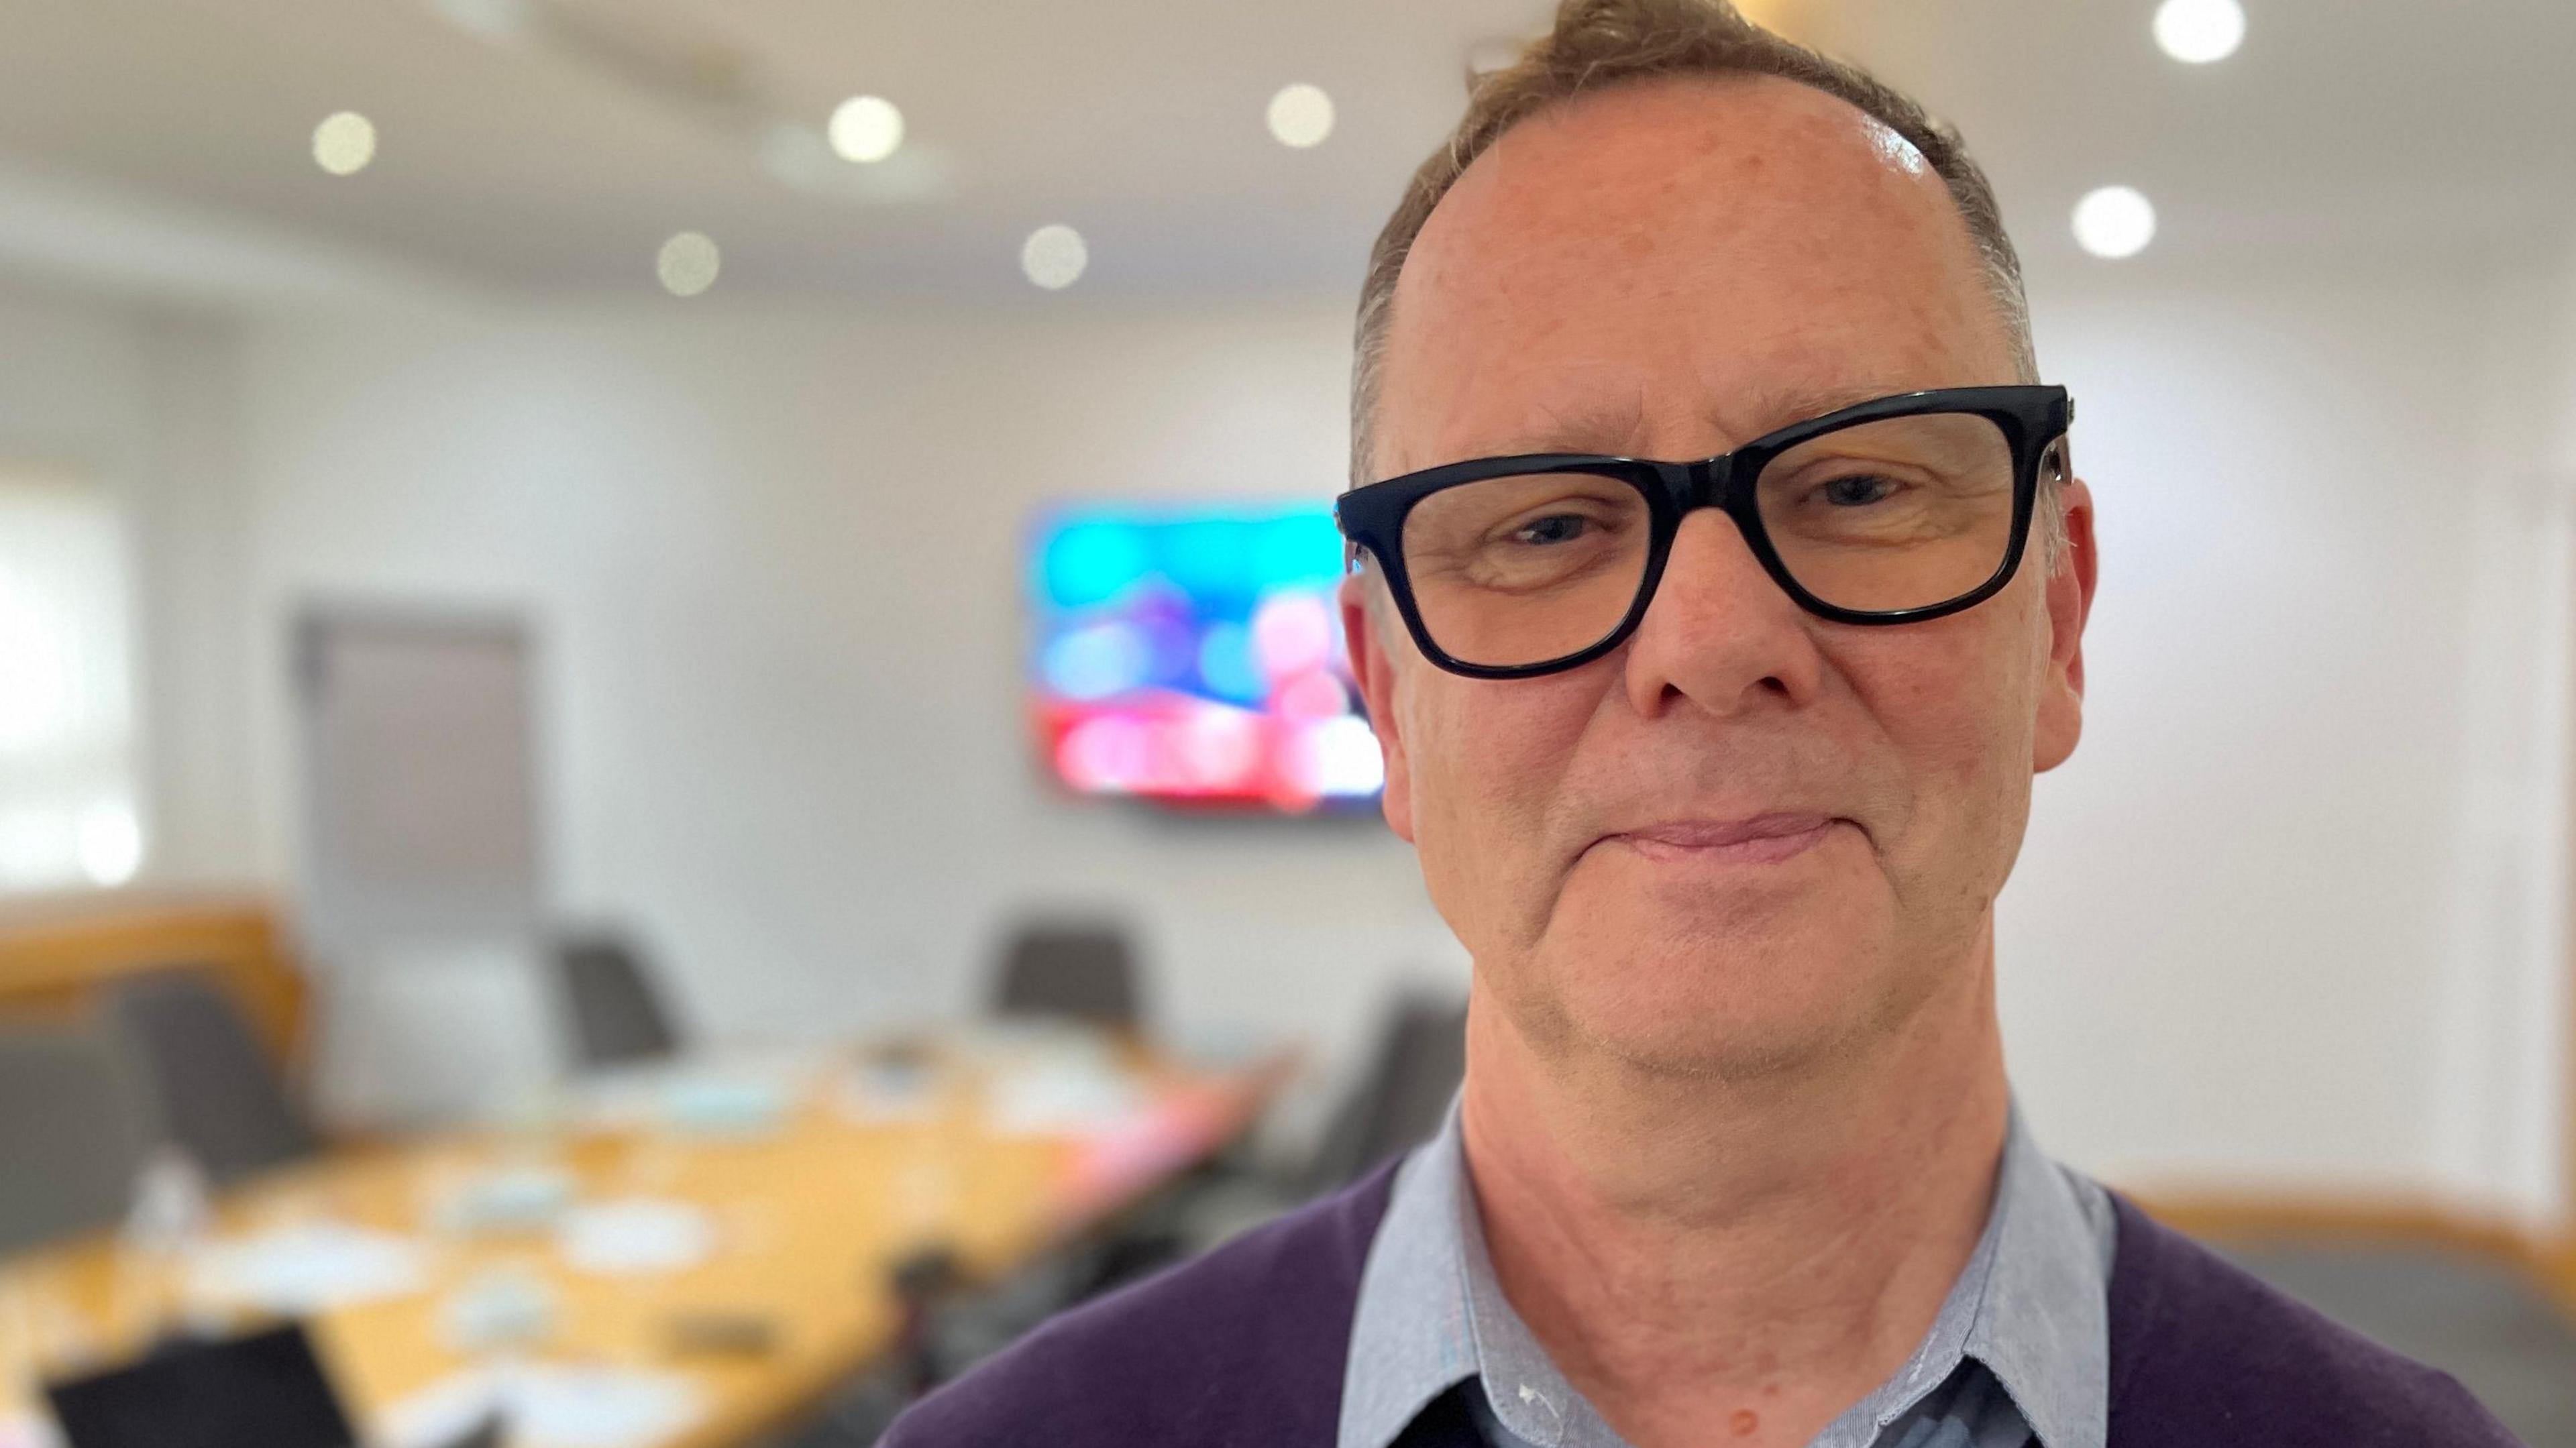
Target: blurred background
671 752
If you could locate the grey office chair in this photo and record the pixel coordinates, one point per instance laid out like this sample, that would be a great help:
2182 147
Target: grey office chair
75 1127
613 1012
218 1097
1081 972
1394 1102
1402 1094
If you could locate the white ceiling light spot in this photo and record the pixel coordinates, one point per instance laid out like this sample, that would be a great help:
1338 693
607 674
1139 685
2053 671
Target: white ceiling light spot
866 129
1301 116
688 264
1054 257
2115 222
344 143
2197 32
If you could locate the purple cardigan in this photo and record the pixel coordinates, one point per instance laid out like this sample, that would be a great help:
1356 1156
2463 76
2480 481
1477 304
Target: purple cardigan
1244 1348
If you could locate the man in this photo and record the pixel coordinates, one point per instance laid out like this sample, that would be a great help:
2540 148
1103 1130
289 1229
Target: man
1716 765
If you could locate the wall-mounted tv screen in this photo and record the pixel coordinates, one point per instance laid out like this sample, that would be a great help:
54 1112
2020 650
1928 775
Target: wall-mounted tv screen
1192 654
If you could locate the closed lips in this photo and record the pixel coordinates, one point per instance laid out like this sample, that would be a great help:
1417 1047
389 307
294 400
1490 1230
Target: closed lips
1762 837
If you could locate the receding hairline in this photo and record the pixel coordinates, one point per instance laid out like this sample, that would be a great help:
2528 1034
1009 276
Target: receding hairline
1786 399
1562 109
1590 54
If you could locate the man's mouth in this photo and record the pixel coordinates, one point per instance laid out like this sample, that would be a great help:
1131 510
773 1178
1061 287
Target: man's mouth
1759 839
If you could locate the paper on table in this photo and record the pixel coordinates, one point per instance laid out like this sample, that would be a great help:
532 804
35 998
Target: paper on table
715 1105
1057 1100
548 1405
300 1270
501 1307
879 1093
994 1045
738 1092
508 1199
636 1236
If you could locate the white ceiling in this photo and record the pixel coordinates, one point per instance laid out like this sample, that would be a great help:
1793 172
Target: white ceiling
562 162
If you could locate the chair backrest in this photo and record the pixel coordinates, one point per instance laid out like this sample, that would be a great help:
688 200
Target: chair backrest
1399 1098
218 1096
614 1012
1081 972
75 1127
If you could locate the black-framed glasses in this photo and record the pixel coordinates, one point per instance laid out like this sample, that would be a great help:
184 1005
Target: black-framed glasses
1893 511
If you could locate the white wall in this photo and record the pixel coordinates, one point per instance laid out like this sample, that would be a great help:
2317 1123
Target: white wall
191 521
72 384
2255 935
2505 1024
2240 925
773 561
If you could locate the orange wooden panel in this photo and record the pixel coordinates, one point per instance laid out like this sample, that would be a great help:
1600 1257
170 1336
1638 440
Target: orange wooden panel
2547 1260
55 955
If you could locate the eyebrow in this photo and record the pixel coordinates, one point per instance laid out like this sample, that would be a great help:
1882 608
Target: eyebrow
1787 404
1602 425
1591 425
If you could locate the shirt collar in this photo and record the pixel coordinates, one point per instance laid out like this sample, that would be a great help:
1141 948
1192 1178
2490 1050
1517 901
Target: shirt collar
2029 1306
2044 1326
1411 1339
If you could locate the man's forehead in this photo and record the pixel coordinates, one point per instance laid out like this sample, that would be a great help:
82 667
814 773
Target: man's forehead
1744 245
1570 413
1702 147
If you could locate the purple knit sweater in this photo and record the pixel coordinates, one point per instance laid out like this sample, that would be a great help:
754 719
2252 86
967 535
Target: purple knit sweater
1244 1348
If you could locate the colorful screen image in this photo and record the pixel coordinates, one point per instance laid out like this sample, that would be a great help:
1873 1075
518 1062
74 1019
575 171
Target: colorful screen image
1193 654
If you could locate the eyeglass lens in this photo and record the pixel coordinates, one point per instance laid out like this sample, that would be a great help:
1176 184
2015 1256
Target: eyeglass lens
1879 517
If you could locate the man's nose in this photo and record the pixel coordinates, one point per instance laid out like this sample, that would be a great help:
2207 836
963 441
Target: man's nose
1719 632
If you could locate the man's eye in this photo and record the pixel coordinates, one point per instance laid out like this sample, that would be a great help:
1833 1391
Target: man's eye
1857 491
1557 528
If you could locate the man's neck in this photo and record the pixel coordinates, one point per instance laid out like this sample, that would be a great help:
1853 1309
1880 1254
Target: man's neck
1736 1261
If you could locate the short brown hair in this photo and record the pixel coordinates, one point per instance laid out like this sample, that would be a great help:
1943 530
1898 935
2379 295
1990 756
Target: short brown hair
1596 44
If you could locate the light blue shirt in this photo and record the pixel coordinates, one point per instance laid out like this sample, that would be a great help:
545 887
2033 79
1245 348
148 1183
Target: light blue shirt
2020 1352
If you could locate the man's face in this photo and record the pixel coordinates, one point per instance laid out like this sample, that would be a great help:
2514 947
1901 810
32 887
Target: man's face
1670 270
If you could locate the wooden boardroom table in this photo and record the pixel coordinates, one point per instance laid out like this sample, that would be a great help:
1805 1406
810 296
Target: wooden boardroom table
812 1213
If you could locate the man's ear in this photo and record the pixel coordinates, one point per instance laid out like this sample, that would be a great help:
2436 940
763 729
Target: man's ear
1374 667
2070 602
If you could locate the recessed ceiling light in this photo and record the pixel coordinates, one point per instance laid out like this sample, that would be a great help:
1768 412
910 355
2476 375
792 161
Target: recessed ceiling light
2115 222
344 143
2197 32
1301 115
688 264
1054 256
866 128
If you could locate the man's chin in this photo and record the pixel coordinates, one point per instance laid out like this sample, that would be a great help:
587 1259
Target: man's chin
1732 1009
1737 1054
